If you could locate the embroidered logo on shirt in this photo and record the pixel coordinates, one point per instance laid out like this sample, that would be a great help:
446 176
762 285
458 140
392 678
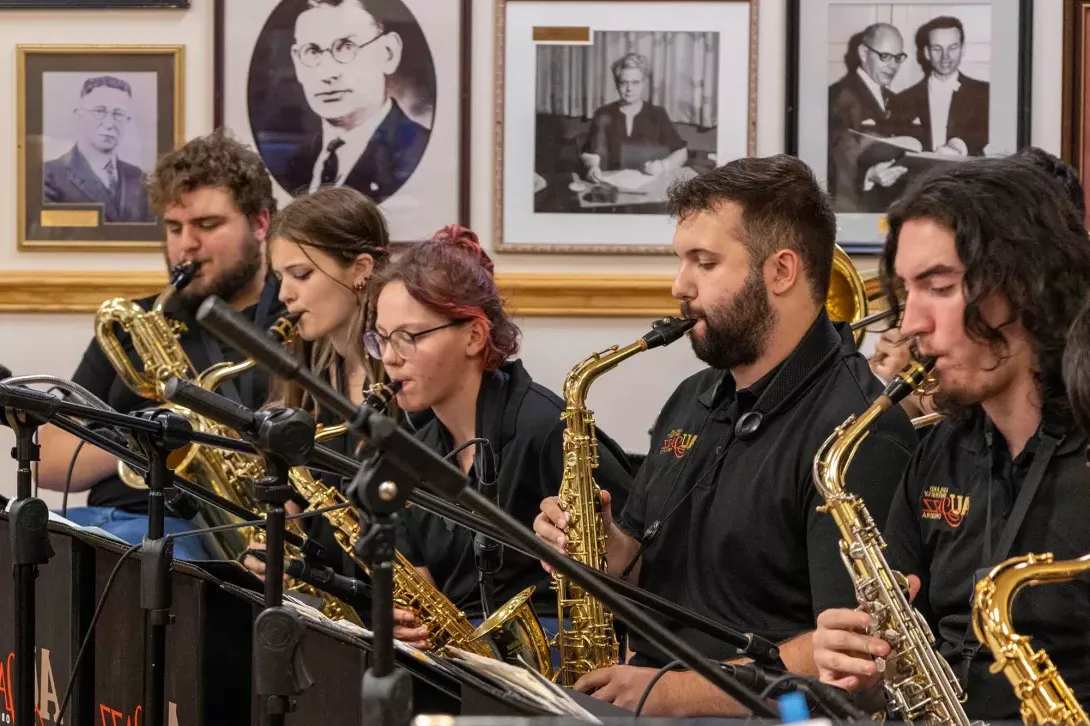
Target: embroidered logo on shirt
939 503
677 442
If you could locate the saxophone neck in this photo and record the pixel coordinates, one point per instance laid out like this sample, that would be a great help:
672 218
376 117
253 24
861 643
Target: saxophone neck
579 378
180 276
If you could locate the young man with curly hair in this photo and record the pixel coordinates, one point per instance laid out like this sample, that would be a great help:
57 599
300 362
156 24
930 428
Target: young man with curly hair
216 201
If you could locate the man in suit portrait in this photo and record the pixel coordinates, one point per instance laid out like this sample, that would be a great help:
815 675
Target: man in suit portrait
91 171
947 111
342 55
862 175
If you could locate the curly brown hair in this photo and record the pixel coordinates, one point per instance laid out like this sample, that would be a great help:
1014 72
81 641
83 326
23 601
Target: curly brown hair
215 160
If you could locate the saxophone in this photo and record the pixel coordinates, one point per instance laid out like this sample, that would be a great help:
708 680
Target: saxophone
155 341
446 624
1045 697
922 687
586 638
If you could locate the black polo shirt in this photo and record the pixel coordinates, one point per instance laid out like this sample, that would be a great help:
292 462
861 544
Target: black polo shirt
938 529
522 420
96 374
738 535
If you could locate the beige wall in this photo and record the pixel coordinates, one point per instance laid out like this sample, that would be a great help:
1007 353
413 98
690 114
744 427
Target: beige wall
625 401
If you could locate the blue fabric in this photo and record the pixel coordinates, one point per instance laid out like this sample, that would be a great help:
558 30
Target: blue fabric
132 528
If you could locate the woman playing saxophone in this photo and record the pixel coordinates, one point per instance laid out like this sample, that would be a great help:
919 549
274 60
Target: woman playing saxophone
441 330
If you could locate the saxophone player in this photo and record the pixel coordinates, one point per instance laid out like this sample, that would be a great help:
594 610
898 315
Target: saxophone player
994 264
722 516
441 330
216 201
323 249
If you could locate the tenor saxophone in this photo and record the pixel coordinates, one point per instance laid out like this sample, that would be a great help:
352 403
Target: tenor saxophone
445 623
918 681
586 637
1045 697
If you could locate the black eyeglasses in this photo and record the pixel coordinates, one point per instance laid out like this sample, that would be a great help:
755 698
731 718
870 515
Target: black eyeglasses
403 341
887 57
343 50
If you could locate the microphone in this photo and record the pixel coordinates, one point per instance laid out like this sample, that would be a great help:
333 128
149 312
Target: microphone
324 578
488 553
5 372
210 405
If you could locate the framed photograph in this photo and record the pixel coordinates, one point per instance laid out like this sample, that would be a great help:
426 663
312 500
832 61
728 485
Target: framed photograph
601 105
89 4
1076 129
906 84
92 119
371 94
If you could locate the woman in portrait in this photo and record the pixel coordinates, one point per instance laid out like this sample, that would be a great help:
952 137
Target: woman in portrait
631 133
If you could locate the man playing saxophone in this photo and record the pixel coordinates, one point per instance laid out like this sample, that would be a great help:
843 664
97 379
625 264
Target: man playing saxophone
722 517
216 199
992 262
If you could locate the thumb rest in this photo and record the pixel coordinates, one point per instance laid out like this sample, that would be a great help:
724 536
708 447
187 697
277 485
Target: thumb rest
1045 697
918 681
514 627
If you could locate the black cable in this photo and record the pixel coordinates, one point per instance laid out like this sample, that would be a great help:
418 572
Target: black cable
651 684
91 628
776 682
68 478
459 447
37 481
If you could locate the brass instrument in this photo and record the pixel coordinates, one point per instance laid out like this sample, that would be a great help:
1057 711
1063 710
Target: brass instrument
1045 697
445 623
586 637
920 685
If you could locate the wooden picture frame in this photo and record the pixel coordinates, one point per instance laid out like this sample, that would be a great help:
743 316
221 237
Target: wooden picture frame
867 148
421 184
558 111
92 4
91 120
1076 84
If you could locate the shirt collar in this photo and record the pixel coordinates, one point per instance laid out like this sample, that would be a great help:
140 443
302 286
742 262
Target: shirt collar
872 86
953 82
974 438
355 139
781 385
96 159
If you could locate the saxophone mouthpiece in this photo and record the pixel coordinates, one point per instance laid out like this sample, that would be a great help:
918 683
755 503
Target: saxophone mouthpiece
909 379
379 395
666 330
182 273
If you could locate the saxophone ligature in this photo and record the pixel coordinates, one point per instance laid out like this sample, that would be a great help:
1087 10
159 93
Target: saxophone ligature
1044 696
586 637
919 683
514 624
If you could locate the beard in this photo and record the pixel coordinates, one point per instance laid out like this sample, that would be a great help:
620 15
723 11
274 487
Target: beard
230 283
735 334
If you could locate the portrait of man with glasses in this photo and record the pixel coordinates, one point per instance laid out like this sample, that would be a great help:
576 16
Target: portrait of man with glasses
344 55
91 170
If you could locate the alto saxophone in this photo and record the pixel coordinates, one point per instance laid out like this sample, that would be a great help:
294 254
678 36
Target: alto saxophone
1045 697
445 623
921 686
586 638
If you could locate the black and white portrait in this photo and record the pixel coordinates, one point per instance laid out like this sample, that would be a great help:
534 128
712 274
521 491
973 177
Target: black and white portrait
605 105
346 92
909 85
93 120
623 117
99 139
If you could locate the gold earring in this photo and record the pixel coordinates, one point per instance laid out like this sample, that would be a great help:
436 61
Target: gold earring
360 285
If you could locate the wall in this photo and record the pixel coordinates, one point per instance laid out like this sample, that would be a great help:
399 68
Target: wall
625 402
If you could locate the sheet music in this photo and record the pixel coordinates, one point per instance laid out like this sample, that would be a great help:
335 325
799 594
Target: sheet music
547 694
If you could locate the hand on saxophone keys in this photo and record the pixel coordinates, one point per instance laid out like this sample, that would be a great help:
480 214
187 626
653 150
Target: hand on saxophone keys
552 523
407 631
846 655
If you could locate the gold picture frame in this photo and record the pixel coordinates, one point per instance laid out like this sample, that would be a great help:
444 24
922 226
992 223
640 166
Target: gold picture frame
561 213
86 135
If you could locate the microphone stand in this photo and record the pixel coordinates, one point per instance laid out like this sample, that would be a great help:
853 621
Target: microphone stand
30 547
157 554
413 460
286 435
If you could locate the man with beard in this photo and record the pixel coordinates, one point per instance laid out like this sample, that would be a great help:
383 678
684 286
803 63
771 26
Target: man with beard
722 517
216 201
991 292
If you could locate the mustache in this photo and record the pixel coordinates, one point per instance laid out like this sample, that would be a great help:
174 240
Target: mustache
688 312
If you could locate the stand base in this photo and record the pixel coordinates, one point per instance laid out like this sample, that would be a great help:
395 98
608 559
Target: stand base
387 700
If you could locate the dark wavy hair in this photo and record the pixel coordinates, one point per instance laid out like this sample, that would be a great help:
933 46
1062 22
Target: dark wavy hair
1018 238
